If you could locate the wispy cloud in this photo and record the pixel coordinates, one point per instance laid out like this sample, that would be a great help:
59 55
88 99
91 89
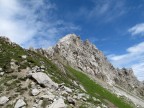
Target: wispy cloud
134 58
25 22
104 10
139 70
138 29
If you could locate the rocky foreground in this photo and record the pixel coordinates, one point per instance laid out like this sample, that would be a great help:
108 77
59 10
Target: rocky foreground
72 74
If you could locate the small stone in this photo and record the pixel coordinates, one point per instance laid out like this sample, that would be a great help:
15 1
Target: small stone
75 97
1 69
81 95
82 88
1 73
84 99
42 70
20 103
24 56
42 67
104 106
3 100
75 83
35 92
38 70
71 100
68 89
50 97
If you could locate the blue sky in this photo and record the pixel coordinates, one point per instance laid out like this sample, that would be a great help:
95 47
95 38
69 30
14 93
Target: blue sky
115 26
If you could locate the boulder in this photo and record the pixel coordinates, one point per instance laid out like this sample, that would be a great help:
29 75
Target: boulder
44 80
20 103
3 100
58 104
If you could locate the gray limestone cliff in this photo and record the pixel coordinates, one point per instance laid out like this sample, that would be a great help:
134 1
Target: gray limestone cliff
86 57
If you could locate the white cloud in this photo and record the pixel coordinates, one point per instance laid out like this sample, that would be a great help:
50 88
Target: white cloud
137 29
104 10
24 22
17 30
137 48
134 58
139 70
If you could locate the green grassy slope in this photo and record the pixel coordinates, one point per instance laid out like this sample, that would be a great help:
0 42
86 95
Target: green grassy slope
96 90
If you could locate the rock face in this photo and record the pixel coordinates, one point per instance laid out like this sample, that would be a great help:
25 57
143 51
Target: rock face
44 80
84 56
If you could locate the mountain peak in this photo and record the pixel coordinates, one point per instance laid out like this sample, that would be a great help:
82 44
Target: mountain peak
69 38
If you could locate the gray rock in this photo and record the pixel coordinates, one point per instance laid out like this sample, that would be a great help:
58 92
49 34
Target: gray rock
42 67
3 100
24 56
20 103
44 80
1 73
67 89
1 69
82 88
81 95
71 100
58 104
13 65
104 106
49 97
35 92
38 104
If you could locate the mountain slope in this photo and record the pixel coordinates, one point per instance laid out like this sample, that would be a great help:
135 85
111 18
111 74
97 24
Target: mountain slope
84 56
29 79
